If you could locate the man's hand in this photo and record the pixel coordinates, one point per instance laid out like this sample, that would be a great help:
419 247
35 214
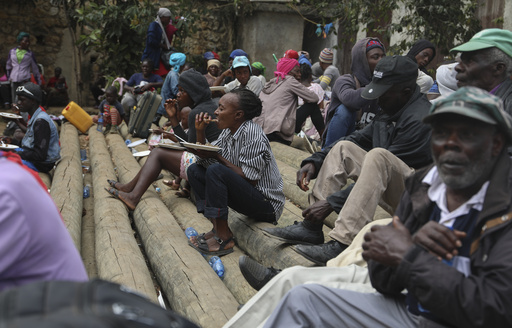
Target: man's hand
304 176
387 244
439 240
318 211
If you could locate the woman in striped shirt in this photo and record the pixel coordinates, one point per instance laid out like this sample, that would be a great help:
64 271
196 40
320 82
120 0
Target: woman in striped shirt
242 175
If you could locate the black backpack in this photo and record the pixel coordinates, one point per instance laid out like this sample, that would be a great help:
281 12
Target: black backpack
96 303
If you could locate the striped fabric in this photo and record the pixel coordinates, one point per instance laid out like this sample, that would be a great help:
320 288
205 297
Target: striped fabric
250 150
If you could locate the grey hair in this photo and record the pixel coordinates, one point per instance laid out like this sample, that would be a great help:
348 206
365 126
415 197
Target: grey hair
494 55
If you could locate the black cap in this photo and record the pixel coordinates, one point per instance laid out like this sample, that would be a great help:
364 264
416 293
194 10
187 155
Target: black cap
389 71
30 90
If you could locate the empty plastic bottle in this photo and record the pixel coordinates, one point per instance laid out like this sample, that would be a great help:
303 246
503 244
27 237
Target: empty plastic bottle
100 123
83 154
217 266
87 191
189 232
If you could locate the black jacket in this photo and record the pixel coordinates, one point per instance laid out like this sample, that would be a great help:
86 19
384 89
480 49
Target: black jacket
403 134
484 298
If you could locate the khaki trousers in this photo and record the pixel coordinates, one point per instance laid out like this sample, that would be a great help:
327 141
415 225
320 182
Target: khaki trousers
379 176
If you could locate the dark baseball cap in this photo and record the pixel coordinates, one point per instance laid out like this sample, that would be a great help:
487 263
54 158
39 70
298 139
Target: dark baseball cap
474 103
389 71
30 90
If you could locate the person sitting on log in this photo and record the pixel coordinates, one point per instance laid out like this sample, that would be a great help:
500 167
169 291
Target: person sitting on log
40 146
195 93
242 175
242 71
112 111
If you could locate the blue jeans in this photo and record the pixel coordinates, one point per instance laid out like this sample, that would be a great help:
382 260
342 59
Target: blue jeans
342 124
218 187
28 164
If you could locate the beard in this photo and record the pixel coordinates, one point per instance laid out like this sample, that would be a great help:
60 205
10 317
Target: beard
472 172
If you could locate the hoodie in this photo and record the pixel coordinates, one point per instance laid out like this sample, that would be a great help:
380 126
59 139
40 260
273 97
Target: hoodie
280 106
345 92
195 84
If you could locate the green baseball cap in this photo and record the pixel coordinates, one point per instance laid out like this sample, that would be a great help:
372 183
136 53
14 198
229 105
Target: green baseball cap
489 38
474 103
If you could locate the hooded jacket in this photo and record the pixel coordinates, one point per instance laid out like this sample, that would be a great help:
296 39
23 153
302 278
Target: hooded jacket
195 84
484 298
280 106
345 92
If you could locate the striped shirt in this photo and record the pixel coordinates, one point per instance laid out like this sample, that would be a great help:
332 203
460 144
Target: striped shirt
250 150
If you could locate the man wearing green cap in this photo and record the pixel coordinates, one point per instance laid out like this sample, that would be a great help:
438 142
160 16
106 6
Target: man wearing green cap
449 243
486 62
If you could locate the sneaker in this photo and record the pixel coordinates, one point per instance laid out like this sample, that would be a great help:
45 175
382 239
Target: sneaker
256 274
320 254
297 233
114 129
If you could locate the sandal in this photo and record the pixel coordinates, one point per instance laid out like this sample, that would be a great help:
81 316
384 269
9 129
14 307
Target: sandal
183 193
172 184
115 193
112 183
203 248
200 239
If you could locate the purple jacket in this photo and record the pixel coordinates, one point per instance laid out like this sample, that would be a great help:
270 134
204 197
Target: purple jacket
21 72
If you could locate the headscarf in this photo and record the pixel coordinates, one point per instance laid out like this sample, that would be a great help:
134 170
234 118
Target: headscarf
21 35
446 80
259 66
177 60
163 12
304 60
238 52
284 66
417 47
213 62
291 54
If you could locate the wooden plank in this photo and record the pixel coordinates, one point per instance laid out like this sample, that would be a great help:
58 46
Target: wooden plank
67 184
118 257
191 286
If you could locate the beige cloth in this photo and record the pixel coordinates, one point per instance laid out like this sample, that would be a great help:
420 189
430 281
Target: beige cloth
379 176
346 271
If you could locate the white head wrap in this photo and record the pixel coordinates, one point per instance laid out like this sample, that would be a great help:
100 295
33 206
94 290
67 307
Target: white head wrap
163 12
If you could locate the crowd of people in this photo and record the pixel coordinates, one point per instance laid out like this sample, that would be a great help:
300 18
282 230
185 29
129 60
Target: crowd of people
432 151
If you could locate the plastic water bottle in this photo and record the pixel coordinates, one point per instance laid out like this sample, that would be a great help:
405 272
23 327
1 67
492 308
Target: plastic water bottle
189 232
100 123
128 141
87 191
83 154
217 266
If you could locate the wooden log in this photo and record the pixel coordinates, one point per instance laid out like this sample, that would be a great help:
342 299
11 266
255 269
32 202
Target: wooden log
46 179
191 286
67 184
289 155
118 257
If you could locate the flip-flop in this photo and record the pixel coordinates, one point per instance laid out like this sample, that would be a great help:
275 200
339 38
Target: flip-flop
222 243
115 193
112 183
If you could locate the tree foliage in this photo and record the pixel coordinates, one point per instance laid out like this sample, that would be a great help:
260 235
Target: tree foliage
443 22
116 29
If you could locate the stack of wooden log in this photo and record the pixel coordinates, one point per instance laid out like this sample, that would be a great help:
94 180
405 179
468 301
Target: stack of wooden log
187 281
